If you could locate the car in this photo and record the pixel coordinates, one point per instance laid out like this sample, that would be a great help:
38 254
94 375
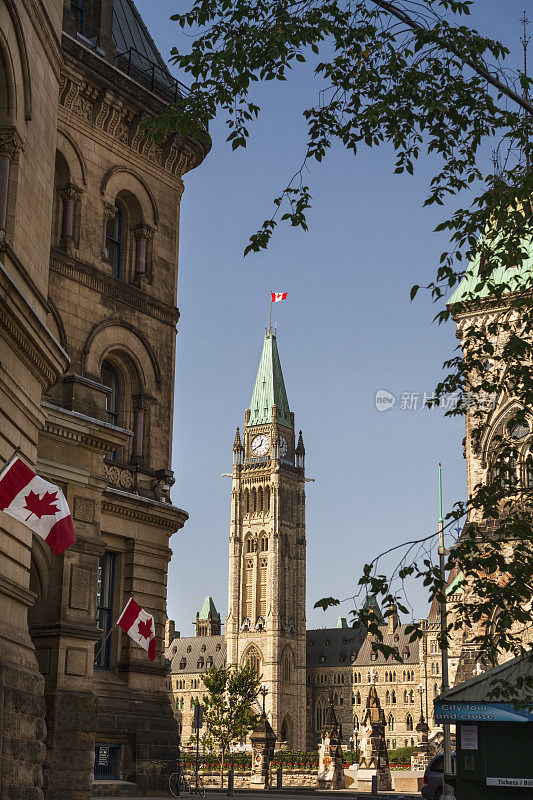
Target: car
432 788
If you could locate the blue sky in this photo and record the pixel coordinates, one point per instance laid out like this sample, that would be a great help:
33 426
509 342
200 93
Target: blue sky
346 330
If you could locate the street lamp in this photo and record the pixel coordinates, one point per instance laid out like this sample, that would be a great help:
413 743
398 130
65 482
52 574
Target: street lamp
263 691
420 691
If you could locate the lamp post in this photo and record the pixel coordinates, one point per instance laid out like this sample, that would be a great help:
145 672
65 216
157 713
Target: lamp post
263 691
420 691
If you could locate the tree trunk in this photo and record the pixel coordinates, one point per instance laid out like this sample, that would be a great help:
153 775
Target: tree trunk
222 770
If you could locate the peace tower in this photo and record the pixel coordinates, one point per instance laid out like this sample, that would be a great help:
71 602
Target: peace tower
265 625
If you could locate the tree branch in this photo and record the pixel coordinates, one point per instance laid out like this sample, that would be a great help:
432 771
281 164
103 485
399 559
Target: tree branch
523 102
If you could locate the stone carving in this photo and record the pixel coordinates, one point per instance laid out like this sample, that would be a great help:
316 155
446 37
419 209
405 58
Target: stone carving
374 759
143 231
71 193
80 587
10 143
162 489
110 211
84 509
330 764
119 476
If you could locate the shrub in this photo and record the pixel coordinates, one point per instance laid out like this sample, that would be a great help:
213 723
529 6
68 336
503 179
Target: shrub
402 755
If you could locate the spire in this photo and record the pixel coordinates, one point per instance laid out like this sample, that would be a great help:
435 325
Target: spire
300 449
237 446
269 388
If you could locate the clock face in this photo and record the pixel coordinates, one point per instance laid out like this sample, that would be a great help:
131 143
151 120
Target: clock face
260 445
283 447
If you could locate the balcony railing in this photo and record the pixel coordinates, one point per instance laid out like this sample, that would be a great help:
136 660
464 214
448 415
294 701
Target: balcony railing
137 66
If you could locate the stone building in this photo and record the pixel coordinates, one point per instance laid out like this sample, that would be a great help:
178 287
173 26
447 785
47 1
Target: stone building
266 610
89 211
484 437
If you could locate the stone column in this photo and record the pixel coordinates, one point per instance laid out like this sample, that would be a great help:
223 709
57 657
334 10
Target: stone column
109 213
10 144
142 233
420 756
70 195
141 404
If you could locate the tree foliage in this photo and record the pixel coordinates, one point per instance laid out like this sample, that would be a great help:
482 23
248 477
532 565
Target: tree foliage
413 75
229 713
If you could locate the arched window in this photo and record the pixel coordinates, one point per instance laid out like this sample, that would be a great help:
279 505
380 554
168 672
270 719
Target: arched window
435 689
264 543
355 722
387 698
358 698
248 586
336 699
114 242
393 697
433 668
286 666
404 675
409 722
394 676
254 500
390 723
247 501
267 499
260 499
110 378
406 696
253 658
412 697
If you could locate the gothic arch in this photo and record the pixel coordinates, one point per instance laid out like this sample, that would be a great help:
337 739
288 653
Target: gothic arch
287 664
253 656
497 426
73 156
122 178
10 68
114 334
286 731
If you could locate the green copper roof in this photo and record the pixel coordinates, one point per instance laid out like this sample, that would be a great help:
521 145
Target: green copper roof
207 608
473 285
269 388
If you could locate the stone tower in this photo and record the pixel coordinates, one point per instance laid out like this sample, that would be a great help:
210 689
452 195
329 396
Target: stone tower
207 619
266 598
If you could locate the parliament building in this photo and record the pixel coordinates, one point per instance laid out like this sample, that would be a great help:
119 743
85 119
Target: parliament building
266 624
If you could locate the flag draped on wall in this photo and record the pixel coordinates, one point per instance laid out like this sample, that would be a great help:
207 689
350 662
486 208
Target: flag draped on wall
139 625
39 504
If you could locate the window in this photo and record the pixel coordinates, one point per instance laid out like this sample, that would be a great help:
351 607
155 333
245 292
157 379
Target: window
200 663
406 696
104 607
286 667
248 580
183 662
409 724
253 658
390 725
358 698
373 656
189 648
393 697
110 378
113 242
412 697
217 648
264 544
78 9
387 698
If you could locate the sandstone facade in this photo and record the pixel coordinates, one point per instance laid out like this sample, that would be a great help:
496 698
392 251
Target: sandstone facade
89 215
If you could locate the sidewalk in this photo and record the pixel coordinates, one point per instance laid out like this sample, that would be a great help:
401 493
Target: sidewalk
289 794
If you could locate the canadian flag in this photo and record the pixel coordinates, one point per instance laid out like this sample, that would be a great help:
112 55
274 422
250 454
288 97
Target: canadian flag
277 296
139 624
38 504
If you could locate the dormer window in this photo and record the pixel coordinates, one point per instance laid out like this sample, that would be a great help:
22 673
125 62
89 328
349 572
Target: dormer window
217 648
203 648
189 648
183 663
200 663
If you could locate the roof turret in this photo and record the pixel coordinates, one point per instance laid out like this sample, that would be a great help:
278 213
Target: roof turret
237 446
300 449
269 388
208 607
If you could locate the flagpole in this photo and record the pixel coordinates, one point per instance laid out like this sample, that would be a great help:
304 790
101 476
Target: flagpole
113 625
270 323
15 452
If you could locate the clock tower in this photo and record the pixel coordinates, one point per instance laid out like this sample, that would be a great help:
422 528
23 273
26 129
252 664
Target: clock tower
265 625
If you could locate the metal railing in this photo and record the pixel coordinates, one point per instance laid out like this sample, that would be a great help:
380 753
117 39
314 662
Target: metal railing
139 67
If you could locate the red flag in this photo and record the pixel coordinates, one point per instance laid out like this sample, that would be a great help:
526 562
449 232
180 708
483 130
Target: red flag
139 625
37 503
277 296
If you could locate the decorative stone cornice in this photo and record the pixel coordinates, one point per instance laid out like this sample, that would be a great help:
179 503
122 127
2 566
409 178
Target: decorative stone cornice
71 192
10 143
141 509
142 402
79 429
103 107
143 231
82 273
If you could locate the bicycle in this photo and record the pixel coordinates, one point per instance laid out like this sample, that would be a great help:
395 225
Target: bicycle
179 783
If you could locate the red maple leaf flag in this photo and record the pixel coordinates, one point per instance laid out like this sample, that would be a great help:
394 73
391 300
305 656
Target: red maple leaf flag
37 503
138 624
277 296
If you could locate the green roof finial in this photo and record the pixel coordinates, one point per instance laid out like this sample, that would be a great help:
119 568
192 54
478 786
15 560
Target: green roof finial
269 388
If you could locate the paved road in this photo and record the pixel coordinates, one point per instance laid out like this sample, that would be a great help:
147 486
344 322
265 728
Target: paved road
244 794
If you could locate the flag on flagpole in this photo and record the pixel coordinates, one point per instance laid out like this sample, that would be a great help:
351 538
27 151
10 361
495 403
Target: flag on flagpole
277 296
139 625
39 504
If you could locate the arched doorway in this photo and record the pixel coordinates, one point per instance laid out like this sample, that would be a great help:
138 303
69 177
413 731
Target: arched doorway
286 732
